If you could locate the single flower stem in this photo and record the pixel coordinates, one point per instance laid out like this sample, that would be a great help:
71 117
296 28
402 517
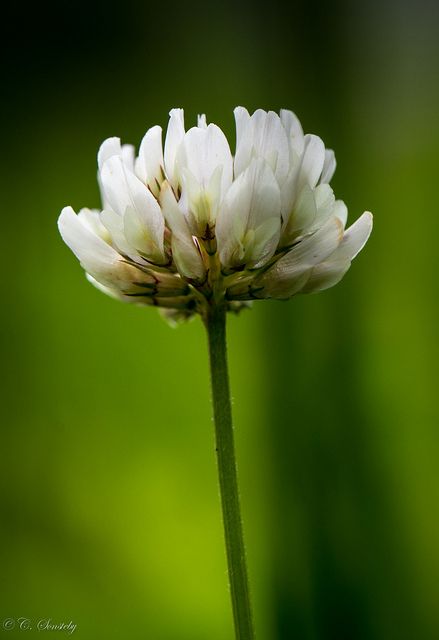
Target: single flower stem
215 321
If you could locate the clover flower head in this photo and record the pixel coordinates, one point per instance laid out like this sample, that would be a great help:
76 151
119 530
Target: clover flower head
187 225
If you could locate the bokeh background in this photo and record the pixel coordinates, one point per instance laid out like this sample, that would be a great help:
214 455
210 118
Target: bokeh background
109 504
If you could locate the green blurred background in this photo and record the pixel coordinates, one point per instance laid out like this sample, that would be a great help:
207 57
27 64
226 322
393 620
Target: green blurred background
109 504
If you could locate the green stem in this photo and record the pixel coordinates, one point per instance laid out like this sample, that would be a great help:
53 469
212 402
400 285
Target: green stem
215 322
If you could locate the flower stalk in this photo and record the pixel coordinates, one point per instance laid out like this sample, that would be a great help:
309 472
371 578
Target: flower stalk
215 322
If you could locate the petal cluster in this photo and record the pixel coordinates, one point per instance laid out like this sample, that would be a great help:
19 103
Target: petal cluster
186 224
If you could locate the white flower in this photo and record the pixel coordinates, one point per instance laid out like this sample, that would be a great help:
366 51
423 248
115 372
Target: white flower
189 225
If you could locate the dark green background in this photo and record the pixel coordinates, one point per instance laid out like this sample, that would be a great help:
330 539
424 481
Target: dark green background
109 506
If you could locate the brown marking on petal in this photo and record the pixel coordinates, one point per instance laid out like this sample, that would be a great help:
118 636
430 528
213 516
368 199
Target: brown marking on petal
136 265
209 233
195 282
250 294
163 265
197 245
146 285
340 225
139 295
191 304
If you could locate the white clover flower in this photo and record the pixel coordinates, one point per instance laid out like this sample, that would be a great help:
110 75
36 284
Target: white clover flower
190 228
189 225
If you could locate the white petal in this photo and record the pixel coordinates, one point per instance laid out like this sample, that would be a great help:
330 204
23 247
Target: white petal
326 206
184 251
205 166
110 147
174 137
302 216
289 274
324 196
293 128
291 123
118 294
262 192
109 291
341 211
99 259
252 199
356 236
329 166
139 235
200 204
201 121
123 189
150 160
114 224
91 218
282 289
264 242
331 271
314 249
128 155
95 255
312 161
311 210
325 275
263 136
114 184
202 152
244 141
242 118
289 191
